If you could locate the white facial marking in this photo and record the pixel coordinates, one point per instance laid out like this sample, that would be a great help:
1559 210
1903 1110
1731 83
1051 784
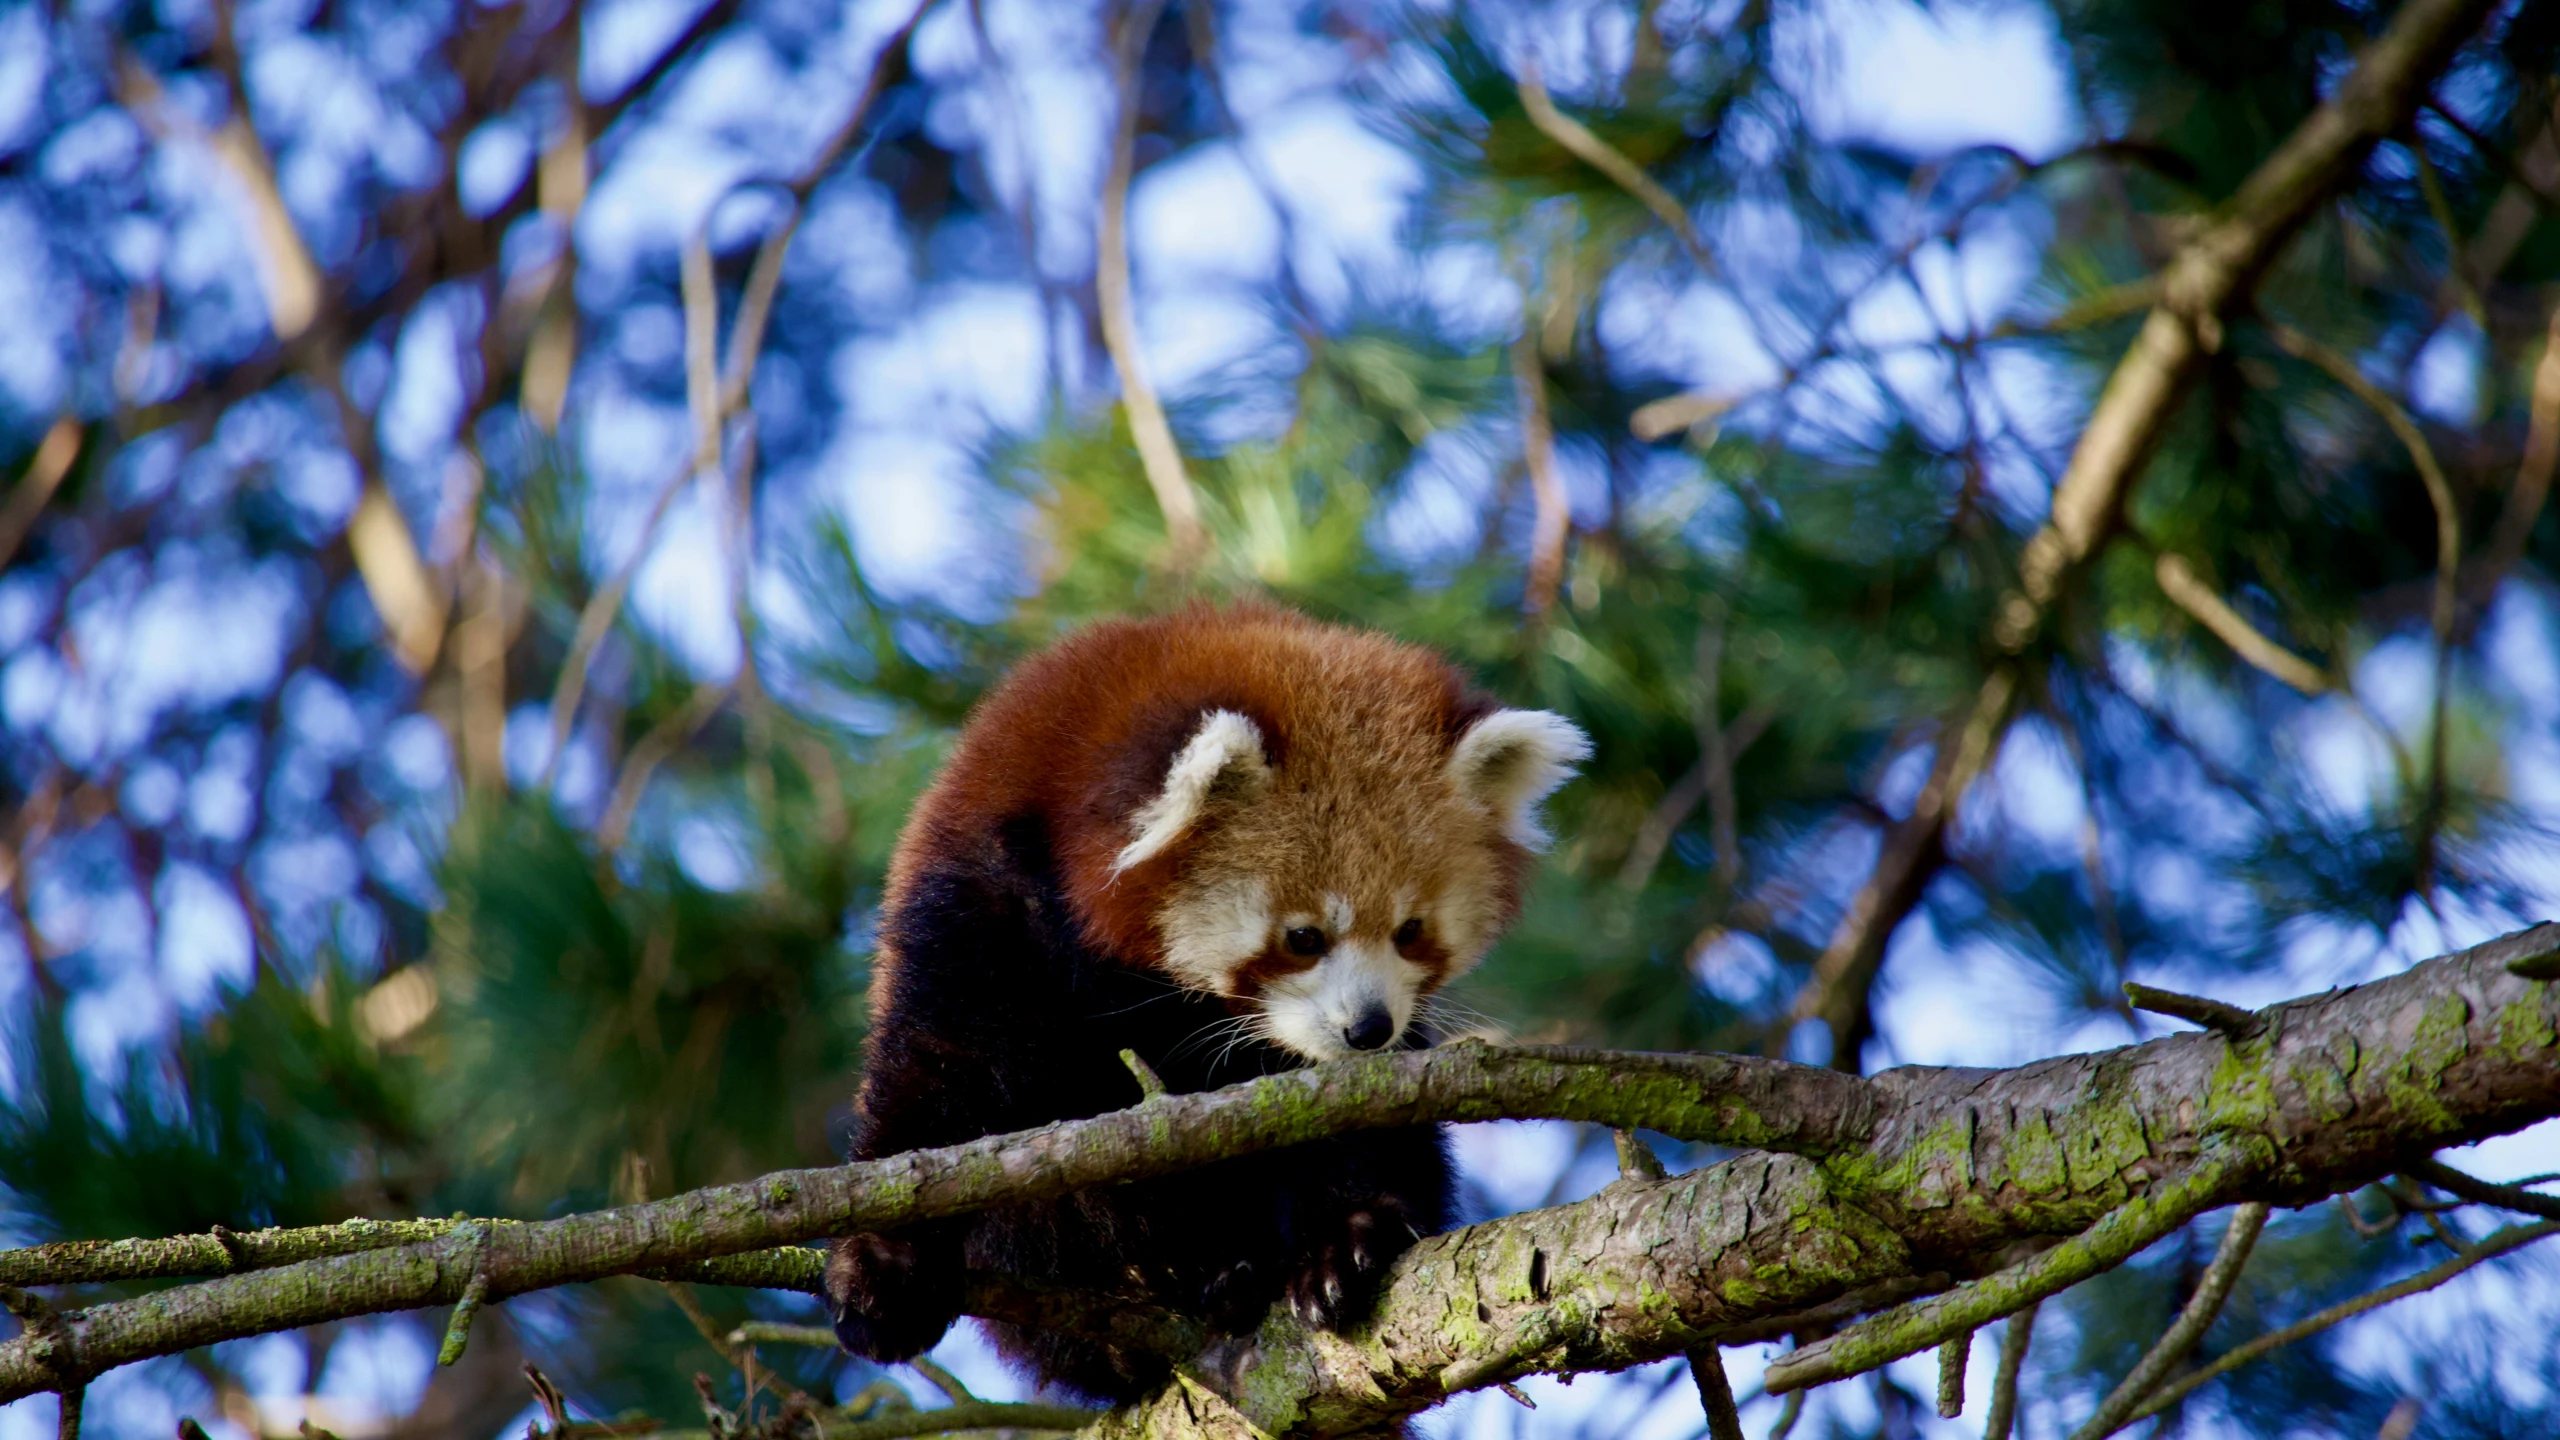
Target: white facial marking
1337 915
1224 754
1512 759
1313 1011
1211 929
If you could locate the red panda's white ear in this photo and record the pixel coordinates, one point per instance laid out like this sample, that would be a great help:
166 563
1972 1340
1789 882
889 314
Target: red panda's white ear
1220 764
1512 759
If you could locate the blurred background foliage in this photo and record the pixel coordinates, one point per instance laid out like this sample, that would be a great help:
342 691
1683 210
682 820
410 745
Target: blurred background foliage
475 615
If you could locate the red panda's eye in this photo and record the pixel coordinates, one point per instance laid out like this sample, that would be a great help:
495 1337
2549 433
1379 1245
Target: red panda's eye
1305 940
1408 932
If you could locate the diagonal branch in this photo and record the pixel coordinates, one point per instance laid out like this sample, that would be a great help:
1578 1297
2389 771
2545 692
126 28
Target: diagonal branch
1551 519
44 473
1600 155
1903 1178
2533 472
2210 275
1965 1163
2180 582
2116 1411
2513 1238
1148 429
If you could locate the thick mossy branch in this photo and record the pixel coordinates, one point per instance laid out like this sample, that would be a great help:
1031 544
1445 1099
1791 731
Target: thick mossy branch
1913 1173
1726 1100
221 1252
2326 1094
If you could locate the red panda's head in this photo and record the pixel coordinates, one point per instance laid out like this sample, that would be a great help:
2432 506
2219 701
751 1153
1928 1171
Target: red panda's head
1327 868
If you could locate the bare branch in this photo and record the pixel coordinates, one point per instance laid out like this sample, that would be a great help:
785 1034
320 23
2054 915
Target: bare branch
2482 1192
1846 970
2183 1334
1727 1100
1600 155
2533 472
1715 1393
2179 581
1148 428
2513 1238
2431 474
1964 1164
2212 272
27 499
2209 275
1550 519
1952 1358
1636 1160
664 739
2212 1014
2014 1339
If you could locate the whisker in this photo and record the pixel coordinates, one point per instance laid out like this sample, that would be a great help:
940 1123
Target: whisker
1207 1033
1448 1017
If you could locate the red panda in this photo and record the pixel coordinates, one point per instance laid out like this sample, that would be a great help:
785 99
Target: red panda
1234 841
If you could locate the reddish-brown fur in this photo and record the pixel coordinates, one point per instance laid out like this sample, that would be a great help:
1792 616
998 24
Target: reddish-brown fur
1051 908
1082 731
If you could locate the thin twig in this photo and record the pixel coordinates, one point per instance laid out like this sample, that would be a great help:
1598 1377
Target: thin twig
1645 852
1550 517
1715 1393
2212 1014
702 348
1723 810
2495 1245
1845 972
725 1344
702 391
457 1328
2187 1331
2483 1192
1600 155
713 392
2422 455
2014 1339
2457 274
1148 429
664 739
2533 472
2448 564
1150 1085
942 1380
766 1332
27 499
1952 1358
597 619
1636 1160
2181 584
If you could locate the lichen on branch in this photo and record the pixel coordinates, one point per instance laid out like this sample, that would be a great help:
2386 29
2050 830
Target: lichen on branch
1904 1183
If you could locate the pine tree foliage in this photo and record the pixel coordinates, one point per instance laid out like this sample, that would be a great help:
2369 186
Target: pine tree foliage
1772 438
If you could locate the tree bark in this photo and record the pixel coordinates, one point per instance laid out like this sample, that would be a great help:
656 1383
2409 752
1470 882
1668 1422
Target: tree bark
1895 1186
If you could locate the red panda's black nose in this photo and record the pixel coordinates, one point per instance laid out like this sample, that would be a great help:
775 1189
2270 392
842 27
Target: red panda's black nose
1371 1031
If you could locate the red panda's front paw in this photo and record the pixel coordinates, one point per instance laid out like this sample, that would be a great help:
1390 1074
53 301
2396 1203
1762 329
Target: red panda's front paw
1335 1281
890 1298
1236 1298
